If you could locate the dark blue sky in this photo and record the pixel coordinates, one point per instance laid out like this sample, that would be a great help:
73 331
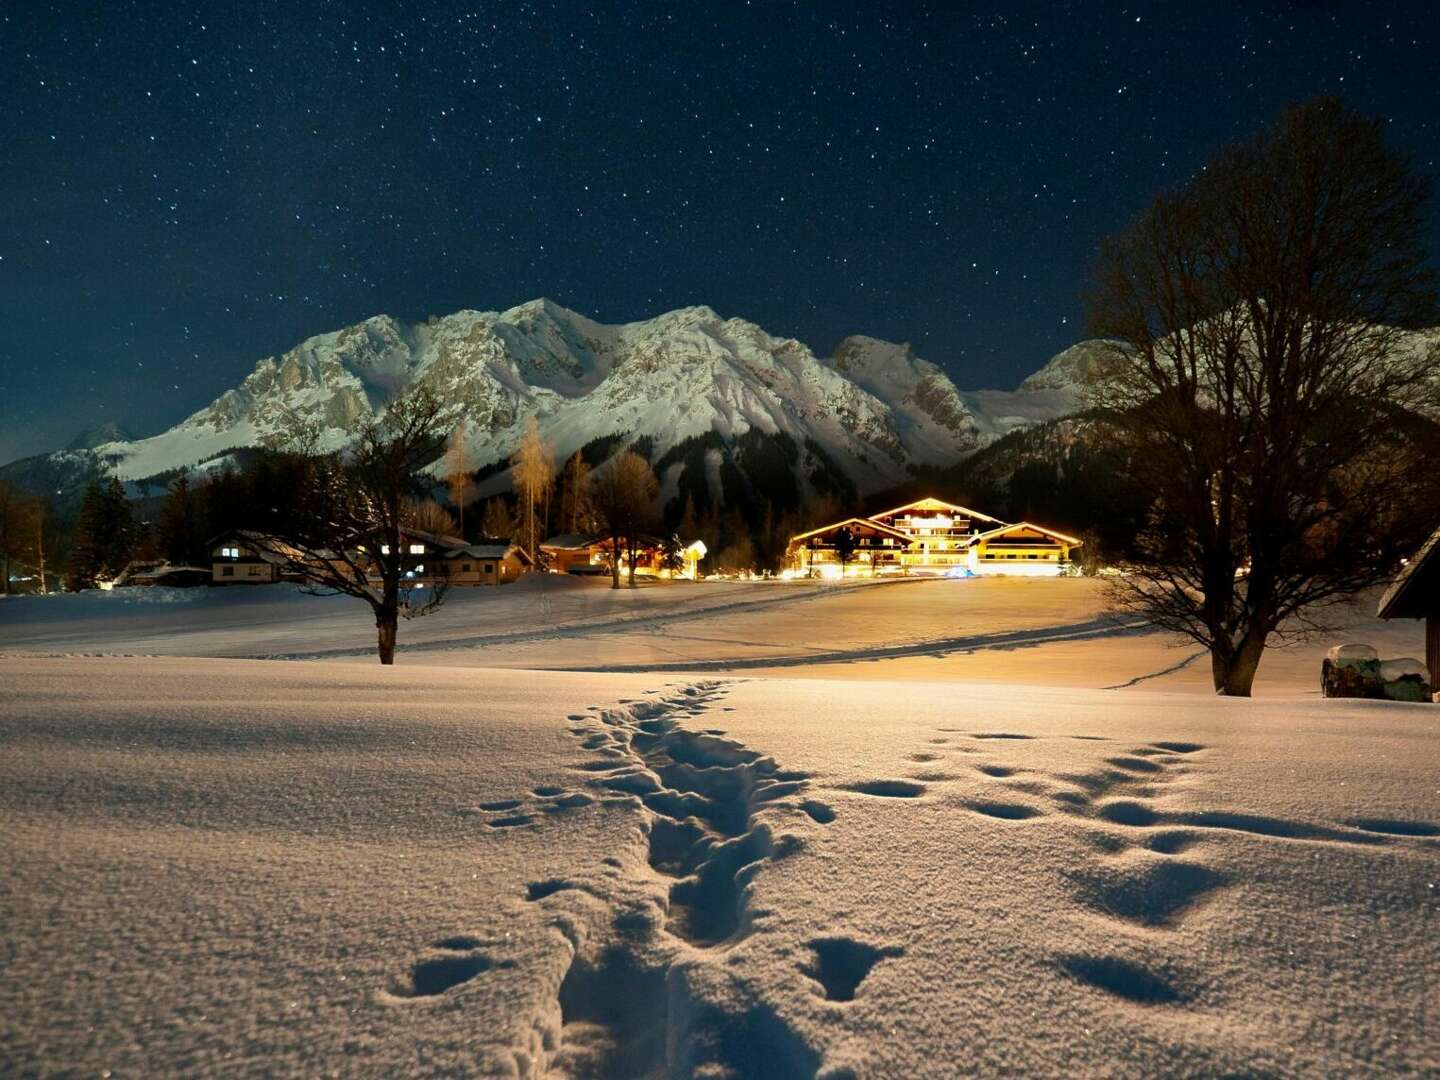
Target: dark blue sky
184 193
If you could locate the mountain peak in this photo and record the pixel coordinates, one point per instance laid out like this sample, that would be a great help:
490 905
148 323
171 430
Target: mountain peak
99 435
687 377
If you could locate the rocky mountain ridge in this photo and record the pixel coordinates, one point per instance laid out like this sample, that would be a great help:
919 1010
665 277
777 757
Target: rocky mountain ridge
872 411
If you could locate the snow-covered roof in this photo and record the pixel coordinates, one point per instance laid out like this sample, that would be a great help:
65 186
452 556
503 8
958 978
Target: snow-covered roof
440 540
1073 541
568 542
938 505
489 551
867 523
1406 598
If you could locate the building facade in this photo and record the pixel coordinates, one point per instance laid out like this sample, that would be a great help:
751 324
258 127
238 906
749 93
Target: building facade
930 536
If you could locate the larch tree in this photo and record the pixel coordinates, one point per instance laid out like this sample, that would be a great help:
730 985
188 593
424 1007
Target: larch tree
346 536
1262 388
576 514
623 492
532 470
429 516
457 472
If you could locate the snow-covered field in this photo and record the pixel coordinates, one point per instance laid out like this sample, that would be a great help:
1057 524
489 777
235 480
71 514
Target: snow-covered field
875 845
1038 632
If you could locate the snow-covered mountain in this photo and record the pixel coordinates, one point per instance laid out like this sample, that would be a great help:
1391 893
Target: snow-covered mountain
872 411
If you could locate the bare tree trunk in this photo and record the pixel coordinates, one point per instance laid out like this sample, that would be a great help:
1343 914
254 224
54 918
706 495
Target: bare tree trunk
630 551
40 543
1233 669
614 561
386 625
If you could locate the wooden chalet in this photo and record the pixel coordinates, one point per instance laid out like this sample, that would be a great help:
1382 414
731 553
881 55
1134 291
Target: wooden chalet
576 553
939 532
236 558
434 557
491 562
1415 594
931 536
873 547
1021 548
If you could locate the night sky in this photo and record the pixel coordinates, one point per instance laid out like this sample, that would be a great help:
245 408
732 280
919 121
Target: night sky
185 193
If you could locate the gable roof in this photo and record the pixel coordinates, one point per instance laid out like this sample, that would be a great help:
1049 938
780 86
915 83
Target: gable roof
568 542
1073 541
498 549
1405 598
938 504
438 539
868 523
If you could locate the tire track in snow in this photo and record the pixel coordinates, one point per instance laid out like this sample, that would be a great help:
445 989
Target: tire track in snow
653 619
938 647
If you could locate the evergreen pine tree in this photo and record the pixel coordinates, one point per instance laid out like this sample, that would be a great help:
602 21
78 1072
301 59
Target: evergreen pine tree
498 524
104 532
178 528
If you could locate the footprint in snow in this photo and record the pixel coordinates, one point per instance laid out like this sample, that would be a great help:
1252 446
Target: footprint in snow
889 789
1122 978
511 822
841 964
1004 810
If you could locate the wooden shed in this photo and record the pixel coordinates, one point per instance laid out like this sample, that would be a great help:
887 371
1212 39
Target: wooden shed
1415 594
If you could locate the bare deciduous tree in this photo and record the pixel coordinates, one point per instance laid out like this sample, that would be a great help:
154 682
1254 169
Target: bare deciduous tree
1262 389
623 492
348 537
456 470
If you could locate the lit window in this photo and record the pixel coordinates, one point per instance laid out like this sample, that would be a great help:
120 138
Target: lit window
384 549
417 549
229 552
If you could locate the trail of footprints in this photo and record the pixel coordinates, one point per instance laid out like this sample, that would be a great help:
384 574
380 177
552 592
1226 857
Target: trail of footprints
1158 892
712 807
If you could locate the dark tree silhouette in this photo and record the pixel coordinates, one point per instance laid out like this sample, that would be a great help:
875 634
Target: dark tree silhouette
345 538
1261 387
844 548
623 493
104 534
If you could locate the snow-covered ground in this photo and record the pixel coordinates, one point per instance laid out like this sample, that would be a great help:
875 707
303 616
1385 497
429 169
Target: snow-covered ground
1004 630
873 845
267 867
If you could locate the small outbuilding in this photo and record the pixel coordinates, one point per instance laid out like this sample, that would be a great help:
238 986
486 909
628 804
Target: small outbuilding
1415 594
